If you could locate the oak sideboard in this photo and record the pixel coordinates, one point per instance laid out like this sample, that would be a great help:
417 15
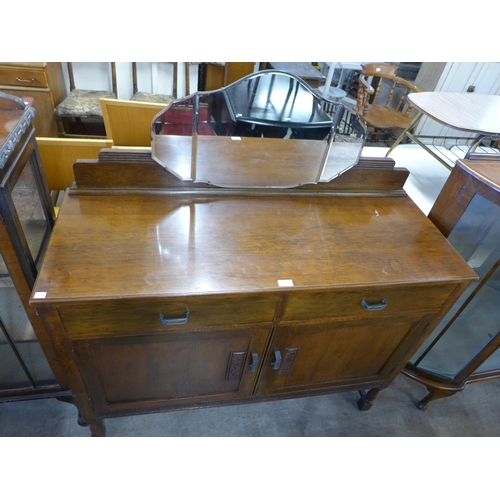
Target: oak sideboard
160 293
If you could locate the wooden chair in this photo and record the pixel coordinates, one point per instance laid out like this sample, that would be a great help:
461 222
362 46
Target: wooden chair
80 113
150 97
384 108
128 123
58 156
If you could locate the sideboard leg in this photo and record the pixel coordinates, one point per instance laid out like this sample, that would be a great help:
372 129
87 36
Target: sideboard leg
81 421
433 395
97 429
365 402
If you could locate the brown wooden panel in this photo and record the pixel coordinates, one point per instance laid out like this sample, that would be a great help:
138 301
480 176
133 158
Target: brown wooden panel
59 154
206 245
486 171
334 354
44 122
192 366
23 77
134 169
452 201
128 123
214 77
342 303
56 82
87 321
236 70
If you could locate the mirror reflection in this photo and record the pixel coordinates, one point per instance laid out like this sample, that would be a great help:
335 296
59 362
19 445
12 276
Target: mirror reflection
269 129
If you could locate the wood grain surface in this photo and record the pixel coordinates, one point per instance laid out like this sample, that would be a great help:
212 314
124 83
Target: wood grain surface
159 245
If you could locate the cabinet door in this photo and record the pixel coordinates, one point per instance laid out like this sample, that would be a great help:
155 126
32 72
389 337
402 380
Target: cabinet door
315 357
175 369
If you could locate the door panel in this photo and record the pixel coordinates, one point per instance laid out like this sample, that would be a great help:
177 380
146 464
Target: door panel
316 356
174 368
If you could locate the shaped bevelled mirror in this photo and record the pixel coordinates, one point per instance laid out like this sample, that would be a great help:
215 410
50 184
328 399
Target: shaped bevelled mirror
269 129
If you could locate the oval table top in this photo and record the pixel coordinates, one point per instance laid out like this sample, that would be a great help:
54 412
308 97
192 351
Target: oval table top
478 113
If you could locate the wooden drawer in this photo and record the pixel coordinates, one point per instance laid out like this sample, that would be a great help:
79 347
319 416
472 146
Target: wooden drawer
182 314
23 77
348 303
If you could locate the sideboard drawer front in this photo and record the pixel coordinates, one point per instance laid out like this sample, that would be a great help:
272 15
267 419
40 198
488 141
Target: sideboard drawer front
23 77
346 303
85 321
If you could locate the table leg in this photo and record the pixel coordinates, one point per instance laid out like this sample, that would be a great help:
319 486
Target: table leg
474 145
405 131
329 78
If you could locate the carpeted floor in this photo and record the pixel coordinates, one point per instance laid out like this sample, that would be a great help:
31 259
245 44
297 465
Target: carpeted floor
472 413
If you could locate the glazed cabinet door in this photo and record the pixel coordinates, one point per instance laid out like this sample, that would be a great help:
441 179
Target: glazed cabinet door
156 371
320 356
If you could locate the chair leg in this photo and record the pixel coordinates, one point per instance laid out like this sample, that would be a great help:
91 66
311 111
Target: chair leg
60 127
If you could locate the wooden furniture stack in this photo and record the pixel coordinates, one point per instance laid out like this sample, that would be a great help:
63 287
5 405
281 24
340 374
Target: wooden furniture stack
44 82
162 294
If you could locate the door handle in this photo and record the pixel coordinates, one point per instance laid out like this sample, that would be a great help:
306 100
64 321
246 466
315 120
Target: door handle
31 80
277 360
255 362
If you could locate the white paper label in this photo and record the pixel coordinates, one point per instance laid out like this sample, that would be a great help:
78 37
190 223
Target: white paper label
285 283
40 295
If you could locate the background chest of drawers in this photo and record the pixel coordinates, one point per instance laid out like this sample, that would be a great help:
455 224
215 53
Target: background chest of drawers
44 82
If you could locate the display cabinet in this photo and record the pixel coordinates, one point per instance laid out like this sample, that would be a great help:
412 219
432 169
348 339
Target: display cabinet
464 346
27 219
221 269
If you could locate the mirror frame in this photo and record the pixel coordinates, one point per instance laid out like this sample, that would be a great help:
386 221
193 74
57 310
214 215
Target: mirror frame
194 99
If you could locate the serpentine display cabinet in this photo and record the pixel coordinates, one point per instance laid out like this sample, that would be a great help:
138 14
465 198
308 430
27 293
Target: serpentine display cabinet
26 221
464 347
222 269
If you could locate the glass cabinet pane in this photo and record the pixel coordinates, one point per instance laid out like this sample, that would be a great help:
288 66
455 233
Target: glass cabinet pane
28 205
477 238
12 375
22 362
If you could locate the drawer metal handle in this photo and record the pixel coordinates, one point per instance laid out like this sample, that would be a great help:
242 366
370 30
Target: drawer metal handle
175 321
255 362
374 307
277 360
31 80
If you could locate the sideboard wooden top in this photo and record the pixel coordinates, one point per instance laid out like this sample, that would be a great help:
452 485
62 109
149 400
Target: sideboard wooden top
128 245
